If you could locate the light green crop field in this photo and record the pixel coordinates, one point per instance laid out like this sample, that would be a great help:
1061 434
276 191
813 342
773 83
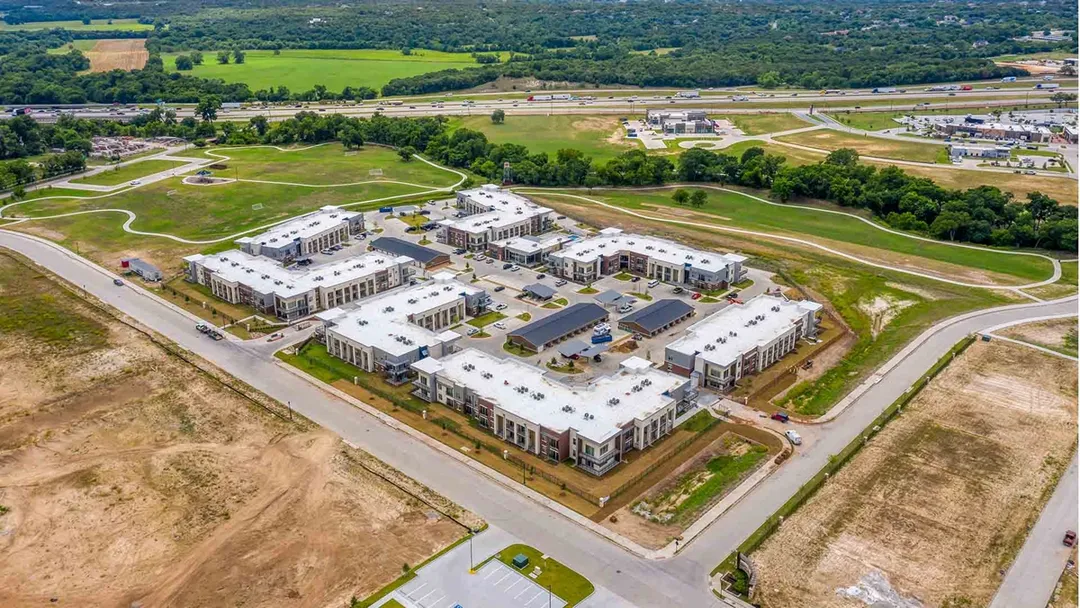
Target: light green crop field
599 137
100 25
126 173
829 139
302 69
736 210
82 45
214 211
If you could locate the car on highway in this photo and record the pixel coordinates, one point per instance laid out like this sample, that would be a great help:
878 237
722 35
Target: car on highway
793 437
118 282
499 325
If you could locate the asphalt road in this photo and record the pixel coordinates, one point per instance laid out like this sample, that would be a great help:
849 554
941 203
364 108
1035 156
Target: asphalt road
679 581
1031 580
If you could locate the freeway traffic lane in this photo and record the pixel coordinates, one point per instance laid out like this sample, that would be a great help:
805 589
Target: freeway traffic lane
636 580
1032 578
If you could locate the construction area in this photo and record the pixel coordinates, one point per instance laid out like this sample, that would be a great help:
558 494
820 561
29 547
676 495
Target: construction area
896 526
130 475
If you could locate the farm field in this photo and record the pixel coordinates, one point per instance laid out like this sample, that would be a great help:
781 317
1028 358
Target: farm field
82 45
128 54
997 426
166 488
599 137
302 69
829 139
126 173
737 210
116 25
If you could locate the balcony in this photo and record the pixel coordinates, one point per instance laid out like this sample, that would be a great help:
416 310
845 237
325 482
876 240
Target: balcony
597 466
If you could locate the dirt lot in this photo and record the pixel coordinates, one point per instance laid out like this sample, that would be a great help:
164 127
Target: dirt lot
898 523
130 478
125 55
1055 334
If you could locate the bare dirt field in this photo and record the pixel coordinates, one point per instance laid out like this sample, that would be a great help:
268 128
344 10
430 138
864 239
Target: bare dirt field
129 477
1055 334
123 54
898 526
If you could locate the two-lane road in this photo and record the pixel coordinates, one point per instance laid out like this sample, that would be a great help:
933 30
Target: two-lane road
679 581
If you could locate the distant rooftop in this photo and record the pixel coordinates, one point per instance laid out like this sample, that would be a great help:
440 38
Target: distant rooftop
301 227
553 326
612 240
398 246
658 314
504 208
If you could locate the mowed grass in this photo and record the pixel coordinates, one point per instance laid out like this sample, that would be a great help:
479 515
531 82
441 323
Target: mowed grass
599 137
326 164
98 25
563 582
737 210
756 124
82 45
828 139
126 173
302 69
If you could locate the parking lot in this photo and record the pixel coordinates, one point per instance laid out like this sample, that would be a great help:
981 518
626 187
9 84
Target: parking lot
495 585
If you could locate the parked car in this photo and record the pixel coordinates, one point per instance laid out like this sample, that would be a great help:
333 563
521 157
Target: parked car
678 290
560 282
626 308
635 279
654 283
514 268
500 306
1070 538
793 437
696 296
472 331
507 266
202 328
480 258
540 276
459 251
499 288
499 325
781 416
118 282
274 337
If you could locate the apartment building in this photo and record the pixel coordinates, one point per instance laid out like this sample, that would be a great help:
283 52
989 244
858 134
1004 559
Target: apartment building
740 340
260 282
612 252
594 424
529 250
491 214
388 333
305 235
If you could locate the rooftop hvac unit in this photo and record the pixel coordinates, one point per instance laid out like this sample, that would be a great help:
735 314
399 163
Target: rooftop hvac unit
412 300
273 240
277 282
265 276
235 264
705 260
337 273
648 247
630 242
361 322
613 401
318 278
223 259
486 375
646 382
249 270
388 309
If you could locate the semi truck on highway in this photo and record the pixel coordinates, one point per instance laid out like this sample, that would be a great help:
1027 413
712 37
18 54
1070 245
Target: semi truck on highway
557 97
1047 85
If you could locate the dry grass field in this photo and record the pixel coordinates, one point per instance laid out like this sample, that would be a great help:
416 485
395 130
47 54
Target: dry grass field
899 524
1056 334
120 54
129 477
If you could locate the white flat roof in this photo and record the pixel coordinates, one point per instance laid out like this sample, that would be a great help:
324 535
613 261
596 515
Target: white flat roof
504 208
384 321
302 227
716 331
531 243
499 380
612 240
267 276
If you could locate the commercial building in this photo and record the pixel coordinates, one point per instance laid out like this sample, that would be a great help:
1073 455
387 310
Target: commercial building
426 256
305 235
554 328
994 130
388 333
975 151
612 252
593 425
678 122
260 282
492 214
656 317
740 340
529 250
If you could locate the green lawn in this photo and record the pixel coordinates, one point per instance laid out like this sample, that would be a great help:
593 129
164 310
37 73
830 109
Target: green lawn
794 156
737 210
756 124
302 69
486 319
828 139
117 25
563 582
725 471
82 45
595 136
328 164
127 173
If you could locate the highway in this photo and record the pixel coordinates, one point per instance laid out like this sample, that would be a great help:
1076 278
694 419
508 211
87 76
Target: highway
679 581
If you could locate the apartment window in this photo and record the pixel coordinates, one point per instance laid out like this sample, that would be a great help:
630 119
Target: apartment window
589 450
603 449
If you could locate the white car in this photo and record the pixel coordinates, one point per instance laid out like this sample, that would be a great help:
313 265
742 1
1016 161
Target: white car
472 331
500 307
480 258
654 283
499 325
793 437
515 268
135 182
626 308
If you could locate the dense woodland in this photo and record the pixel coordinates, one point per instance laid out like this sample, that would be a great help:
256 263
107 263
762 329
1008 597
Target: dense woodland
842 43
982 215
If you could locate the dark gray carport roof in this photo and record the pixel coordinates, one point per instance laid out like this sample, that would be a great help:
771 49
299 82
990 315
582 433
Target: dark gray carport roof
658 314
555 326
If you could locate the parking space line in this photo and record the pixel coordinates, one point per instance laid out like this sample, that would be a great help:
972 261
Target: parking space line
533 598
441 598
522 592
425 596
409 593
493 571
498 582
516 583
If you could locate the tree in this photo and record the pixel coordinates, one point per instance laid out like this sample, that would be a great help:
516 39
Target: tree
698 199
196 57
260 124
680 196
406 153
1067 70
1062 98
86 21
769 80
184 63
208 107
498 116
238 56
223 57
845 157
